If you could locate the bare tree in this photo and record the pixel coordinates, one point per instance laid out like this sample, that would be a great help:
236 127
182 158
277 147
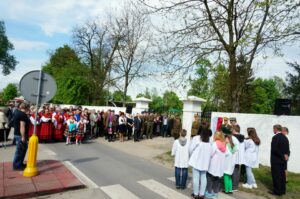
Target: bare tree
229 31
133 51
97 46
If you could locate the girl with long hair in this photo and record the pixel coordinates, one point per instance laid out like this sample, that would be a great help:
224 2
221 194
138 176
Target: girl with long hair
251 157
200 152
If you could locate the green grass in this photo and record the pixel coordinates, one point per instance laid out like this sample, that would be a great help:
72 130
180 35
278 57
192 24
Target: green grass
165 158
263 179
264 182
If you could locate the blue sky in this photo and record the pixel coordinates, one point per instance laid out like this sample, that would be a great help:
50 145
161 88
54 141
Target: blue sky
37 27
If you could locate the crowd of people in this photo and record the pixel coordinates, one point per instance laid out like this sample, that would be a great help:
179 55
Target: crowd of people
224 157
218 162
74 124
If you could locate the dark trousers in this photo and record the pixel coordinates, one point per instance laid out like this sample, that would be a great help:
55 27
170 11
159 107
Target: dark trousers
164 130
278 176
137 134
181 175
20 153
213 184
110 137
236 177
129 132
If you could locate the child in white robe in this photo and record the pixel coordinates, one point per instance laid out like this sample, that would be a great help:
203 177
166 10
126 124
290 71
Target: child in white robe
180 150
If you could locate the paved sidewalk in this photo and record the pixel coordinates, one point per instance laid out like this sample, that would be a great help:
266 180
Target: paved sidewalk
53 176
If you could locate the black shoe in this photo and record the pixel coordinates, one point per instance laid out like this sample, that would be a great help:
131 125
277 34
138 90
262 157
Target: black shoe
275 194
20 168
194 197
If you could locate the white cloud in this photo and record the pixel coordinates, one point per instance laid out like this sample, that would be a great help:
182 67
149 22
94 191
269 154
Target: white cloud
22 68
54 16
28 45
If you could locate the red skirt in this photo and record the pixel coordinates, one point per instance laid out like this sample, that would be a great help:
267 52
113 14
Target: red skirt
46 131
59 132
31 128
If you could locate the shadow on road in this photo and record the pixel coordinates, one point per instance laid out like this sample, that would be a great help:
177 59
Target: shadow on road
85 160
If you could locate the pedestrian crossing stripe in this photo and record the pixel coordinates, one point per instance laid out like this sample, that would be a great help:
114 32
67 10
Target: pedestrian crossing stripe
118 192
189 183
162 190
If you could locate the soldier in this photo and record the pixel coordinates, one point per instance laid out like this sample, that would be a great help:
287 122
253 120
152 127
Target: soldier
150 124
176 127
144 124
195 125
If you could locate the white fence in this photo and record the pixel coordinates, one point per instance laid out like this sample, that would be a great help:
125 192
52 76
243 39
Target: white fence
264 127
105 108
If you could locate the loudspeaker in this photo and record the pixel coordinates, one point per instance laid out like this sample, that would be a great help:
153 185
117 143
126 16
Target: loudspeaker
282 107
129 109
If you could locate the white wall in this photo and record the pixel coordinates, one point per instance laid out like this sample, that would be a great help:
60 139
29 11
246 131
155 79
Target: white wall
264 127
105 108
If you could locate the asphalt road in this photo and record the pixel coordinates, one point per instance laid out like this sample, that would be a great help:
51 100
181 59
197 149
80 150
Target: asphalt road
116 172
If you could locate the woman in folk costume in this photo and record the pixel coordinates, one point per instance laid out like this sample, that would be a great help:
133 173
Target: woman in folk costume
229 161
109 125
71 126
81 129
217 165
200 155
32 121
59 125
122 126
46 126
251 157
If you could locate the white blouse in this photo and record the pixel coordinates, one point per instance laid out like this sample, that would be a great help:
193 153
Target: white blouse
251 154
217 162
200 154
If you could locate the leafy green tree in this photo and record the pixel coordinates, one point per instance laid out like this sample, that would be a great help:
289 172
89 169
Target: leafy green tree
9 92
146 94
280 85
73 87
157 104
200 83
72 77
264 95
171 101
117 96
292 89
234 32
7 61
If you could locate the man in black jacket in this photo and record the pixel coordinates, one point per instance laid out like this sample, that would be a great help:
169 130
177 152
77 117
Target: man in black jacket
137 123
280 149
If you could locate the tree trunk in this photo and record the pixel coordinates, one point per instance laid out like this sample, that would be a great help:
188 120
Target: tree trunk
234 104
125 90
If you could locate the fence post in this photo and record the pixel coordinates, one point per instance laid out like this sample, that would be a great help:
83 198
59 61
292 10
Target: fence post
141 104
191 106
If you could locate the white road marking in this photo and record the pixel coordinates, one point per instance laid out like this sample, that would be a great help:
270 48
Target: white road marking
172 179
49 152
189 182
189 185
118 192
162 190
81 176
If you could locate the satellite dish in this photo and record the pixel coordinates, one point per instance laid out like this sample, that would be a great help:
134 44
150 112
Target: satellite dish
31 88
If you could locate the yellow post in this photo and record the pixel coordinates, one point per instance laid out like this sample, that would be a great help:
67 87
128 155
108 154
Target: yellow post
31 168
